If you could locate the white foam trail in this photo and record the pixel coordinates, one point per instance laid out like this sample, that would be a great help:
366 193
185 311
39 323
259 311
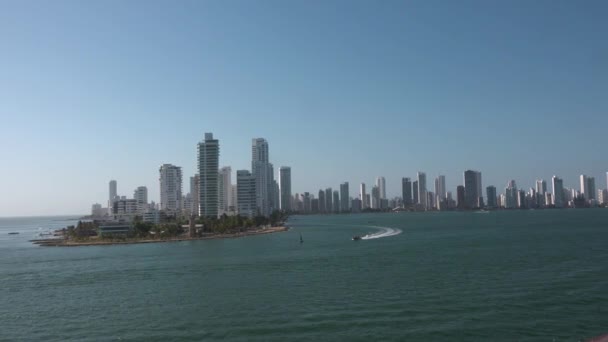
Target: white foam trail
384 232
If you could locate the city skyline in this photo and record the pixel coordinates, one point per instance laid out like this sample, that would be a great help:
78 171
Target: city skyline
340 95
268 196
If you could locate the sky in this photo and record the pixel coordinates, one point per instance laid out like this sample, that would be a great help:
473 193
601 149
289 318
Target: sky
342 90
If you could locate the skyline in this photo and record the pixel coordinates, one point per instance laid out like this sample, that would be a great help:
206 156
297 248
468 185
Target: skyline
93 92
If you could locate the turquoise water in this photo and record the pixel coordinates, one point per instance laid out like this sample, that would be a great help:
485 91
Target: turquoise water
502 276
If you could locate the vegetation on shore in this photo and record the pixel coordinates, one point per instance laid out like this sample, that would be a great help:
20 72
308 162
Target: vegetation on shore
173 227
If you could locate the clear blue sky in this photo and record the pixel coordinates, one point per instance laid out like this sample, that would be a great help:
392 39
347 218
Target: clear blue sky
342 90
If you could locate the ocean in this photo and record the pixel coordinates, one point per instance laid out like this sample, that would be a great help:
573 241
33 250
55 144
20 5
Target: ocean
437 276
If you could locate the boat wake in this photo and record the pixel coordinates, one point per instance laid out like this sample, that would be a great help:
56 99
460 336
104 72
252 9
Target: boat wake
383 232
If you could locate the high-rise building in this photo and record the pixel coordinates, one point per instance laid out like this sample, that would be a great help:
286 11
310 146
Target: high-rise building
591 188
245 193
328 200
415 192
344 197
194 194
141 198
113 193
375 197
558 192
381 184
472 189
321 201
224 189
306 202
406 191
233 198
363 196
460 197
208 164
285 180
511 195
422 197
541 187
170 188
440 192
336 202
263 171
491 196
584 186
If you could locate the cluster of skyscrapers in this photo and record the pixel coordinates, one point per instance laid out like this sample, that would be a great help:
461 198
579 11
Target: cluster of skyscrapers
257 193
212 193
469 196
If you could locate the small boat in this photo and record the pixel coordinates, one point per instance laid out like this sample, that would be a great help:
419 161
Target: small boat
301 240
13 233
356 238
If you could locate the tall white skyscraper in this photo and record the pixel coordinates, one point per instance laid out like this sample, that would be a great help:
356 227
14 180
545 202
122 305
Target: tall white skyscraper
381 184
363 196
422 197
584 186
558 191
440 192
113 194
224 186
245 193
208 164
541 187
141 198
263 172
285 187
170 188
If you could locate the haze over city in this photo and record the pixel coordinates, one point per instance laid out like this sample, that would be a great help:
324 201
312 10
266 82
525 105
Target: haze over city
342 91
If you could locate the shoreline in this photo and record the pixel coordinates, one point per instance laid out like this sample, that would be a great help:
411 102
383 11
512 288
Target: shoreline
67 243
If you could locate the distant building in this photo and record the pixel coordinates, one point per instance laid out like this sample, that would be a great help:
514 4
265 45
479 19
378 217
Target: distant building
491 196
263 171
356 205
245 189
170 188
440 192
321 201
224 189
141 197
460 197
415 192
194 195
208 165
406 191
381 184
113 195
362 196
422 197
472 189
375 197
511 195
124 209
541 187
344 197
96 210
558 192
285 185
336 202
328 200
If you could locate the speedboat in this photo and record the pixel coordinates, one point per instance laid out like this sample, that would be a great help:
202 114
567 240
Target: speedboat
356 238
13 233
